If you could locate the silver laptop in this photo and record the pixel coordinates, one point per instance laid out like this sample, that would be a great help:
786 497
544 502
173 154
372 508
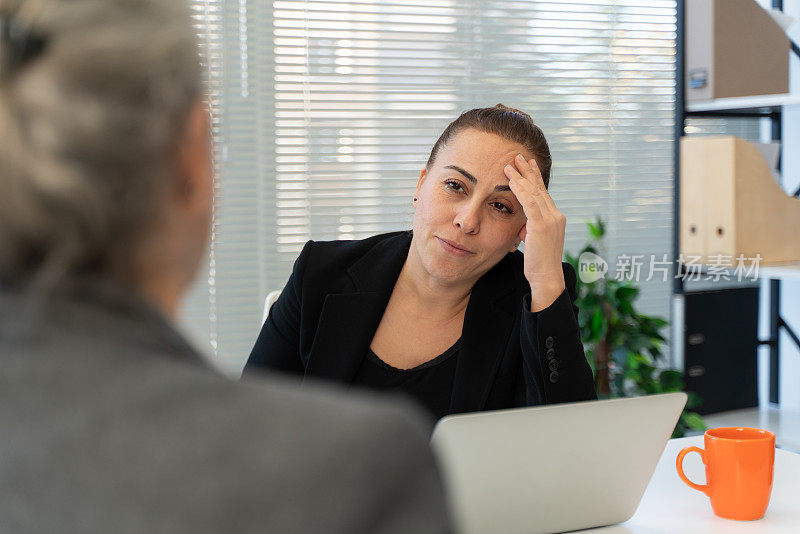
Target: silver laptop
552 468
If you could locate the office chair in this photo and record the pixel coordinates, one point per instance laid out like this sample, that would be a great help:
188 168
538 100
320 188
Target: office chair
272 296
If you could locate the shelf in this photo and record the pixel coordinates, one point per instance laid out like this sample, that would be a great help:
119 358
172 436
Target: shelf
789 271
752 104
777 271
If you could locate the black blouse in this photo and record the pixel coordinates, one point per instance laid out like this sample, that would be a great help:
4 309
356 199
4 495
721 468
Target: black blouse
430 383
323 323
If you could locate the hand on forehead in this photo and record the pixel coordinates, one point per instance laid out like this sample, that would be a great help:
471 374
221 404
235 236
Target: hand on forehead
483 155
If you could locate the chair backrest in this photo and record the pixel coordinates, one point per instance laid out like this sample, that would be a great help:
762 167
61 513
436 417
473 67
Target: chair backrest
272 296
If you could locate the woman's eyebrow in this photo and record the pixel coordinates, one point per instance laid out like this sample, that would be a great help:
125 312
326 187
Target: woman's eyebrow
467 175
474 180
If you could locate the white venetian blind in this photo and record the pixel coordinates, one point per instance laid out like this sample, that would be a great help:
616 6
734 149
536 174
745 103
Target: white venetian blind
327 111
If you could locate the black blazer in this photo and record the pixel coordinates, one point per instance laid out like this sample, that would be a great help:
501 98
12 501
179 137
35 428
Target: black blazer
325 319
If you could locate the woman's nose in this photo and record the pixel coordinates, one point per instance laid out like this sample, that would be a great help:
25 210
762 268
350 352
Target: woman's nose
467 220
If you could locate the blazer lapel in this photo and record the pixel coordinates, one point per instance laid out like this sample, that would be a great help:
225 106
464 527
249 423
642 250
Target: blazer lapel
349 319
488 323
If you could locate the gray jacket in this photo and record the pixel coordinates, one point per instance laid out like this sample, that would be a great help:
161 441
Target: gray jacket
111 422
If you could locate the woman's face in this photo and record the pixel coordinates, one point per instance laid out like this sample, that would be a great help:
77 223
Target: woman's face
466 219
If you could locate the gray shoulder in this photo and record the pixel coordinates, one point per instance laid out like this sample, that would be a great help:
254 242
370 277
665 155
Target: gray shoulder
362 461
367 426
143 443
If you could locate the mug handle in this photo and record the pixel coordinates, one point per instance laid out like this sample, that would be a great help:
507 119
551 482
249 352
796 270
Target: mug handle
679 465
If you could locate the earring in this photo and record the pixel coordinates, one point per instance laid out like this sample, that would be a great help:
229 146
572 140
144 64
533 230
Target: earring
415 199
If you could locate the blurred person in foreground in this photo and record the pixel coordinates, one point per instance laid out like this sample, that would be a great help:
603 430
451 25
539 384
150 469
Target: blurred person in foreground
110 421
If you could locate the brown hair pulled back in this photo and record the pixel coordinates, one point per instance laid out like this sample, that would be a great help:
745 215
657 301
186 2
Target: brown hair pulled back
510 123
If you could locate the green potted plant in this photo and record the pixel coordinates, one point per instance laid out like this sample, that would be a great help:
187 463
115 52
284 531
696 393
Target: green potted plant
622 345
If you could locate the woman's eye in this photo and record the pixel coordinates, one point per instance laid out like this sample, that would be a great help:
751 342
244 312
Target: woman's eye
499 206
455 186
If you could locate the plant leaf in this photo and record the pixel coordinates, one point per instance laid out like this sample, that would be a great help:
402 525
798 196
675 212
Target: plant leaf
694 421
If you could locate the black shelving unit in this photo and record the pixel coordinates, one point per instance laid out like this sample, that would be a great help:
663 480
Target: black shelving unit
774 113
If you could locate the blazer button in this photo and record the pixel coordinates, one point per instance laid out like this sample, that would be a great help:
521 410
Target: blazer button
554 377
549 342
551 353
553 364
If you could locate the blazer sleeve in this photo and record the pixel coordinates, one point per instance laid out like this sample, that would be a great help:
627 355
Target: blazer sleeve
554 363
278 345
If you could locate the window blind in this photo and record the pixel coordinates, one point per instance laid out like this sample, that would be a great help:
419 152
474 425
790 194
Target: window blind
326 112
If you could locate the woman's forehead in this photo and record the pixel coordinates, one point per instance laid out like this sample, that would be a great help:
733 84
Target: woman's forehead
471 143
480 151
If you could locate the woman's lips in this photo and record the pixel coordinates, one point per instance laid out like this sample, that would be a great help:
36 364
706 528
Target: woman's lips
453 248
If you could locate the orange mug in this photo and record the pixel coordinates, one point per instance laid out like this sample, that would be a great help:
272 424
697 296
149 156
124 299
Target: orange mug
739 466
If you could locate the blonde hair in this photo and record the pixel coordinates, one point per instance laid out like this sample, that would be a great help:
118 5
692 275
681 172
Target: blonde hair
89 117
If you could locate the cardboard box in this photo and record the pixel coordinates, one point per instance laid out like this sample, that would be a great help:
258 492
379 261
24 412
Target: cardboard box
733 48
731 204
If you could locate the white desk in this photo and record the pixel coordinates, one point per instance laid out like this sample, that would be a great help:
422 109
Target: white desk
785 424
670 506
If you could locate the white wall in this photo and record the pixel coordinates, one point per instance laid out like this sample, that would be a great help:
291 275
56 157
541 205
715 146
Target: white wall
790 290
789 384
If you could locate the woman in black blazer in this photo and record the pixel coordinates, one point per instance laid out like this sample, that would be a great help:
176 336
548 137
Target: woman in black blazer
451 312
